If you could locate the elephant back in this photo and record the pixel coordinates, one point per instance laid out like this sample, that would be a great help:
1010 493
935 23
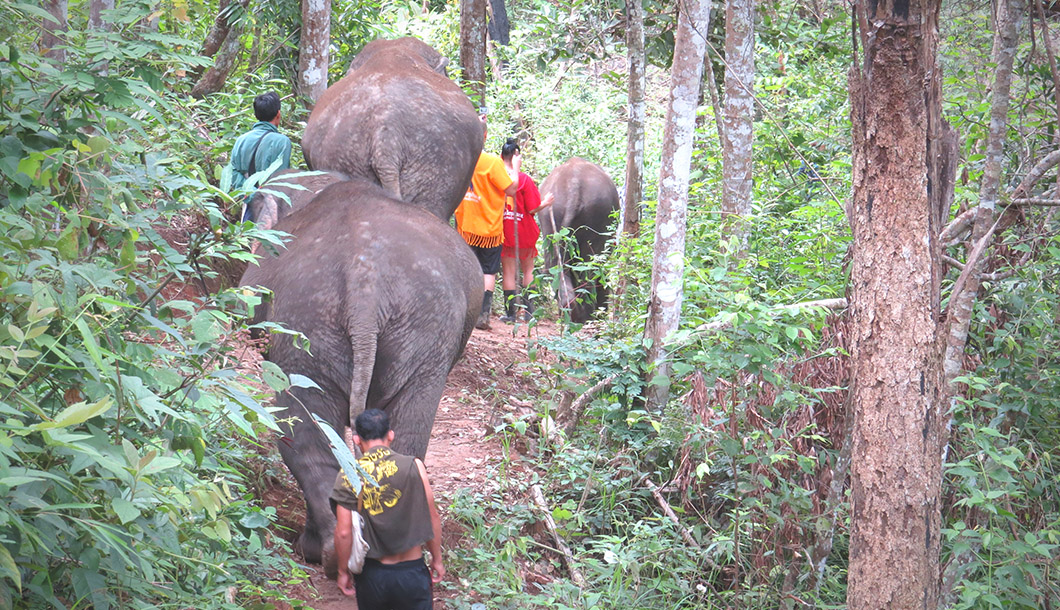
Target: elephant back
397 121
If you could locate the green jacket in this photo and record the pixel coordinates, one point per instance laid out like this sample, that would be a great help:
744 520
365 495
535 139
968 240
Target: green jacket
273 145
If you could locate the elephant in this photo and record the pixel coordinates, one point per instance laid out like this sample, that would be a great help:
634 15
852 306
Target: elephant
387 295
300 187
396 119
585 198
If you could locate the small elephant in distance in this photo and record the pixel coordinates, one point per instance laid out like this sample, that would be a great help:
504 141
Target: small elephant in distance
397 120
387 295
585 198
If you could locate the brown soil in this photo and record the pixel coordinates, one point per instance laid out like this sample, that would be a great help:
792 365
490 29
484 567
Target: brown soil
491 382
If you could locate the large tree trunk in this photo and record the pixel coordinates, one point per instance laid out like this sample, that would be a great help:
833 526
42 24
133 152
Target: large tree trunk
473 47
738 119
313 48
966 289
635 126
214 79
668 266
96 21
498 25
50 38
896 366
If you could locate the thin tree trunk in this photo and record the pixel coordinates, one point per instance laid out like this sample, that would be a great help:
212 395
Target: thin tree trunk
219 30
635 127
51 37
667 274
214 78
634 192
313 48
473 47
96 21
962 301
498 25
738 132
896 364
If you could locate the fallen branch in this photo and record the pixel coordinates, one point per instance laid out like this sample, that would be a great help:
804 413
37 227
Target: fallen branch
577 408
568 557
685 534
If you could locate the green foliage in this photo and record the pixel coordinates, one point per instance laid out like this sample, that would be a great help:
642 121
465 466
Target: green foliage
125 431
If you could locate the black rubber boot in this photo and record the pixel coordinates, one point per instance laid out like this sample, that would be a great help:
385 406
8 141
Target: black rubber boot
528 305
484 317
509 307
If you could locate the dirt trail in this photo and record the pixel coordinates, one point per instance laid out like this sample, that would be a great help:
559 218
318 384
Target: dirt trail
486 384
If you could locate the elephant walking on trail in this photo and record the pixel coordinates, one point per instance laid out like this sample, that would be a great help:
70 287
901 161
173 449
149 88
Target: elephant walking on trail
396 119
585 199
387 295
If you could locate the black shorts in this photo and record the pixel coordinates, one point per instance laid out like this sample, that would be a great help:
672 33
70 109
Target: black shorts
401 586
488 258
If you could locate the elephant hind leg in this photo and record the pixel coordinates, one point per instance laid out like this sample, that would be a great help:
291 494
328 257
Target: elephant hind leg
308 456
413 407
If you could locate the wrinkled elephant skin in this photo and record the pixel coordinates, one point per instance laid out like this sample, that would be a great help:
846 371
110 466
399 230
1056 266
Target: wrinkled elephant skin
585 199
267 207
387 295
397 120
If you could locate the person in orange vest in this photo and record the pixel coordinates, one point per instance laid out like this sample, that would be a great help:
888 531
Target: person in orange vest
479 220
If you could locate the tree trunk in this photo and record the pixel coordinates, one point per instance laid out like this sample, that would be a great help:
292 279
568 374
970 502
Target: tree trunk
219 30
96 21
896 364
313 48
961 304
473 47
965 293
667 274
635 127
738 119
214 79
50 38
498 25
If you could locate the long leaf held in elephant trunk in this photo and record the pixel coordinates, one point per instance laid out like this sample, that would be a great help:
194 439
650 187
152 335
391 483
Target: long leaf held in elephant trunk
346 459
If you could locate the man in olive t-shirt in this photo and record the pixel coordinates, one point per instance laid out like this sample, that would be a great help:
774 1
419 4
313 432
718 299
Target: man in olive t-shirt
400 518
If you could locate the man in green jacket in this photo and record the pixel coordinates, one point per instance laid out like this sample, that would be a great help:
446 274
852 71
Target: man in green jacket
259 148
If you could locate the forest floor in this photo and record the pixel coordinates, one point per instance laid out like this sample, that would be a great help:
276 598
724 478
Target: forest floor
493 381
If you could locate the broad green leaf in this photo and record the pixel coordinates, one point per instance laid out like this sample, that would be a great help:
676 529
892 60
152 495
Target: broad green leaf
90 342
8 567
125 510
75 414
274 376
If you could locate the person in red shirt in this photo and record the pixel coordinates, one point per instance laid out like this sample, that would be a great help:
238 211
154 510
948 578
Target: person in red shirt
520 231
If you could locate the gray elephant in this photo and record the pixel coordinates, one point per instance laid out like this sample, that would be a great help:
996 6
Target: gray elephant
397 120
585 199
267 207
387 296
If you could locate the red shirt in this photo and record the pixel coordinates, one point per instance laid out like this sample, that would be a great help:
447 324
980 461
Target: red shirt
527 198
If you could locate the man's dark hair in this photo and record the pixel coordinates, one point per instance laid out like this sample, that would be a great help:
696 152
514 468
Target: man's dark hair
372 424
267 106
509 149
